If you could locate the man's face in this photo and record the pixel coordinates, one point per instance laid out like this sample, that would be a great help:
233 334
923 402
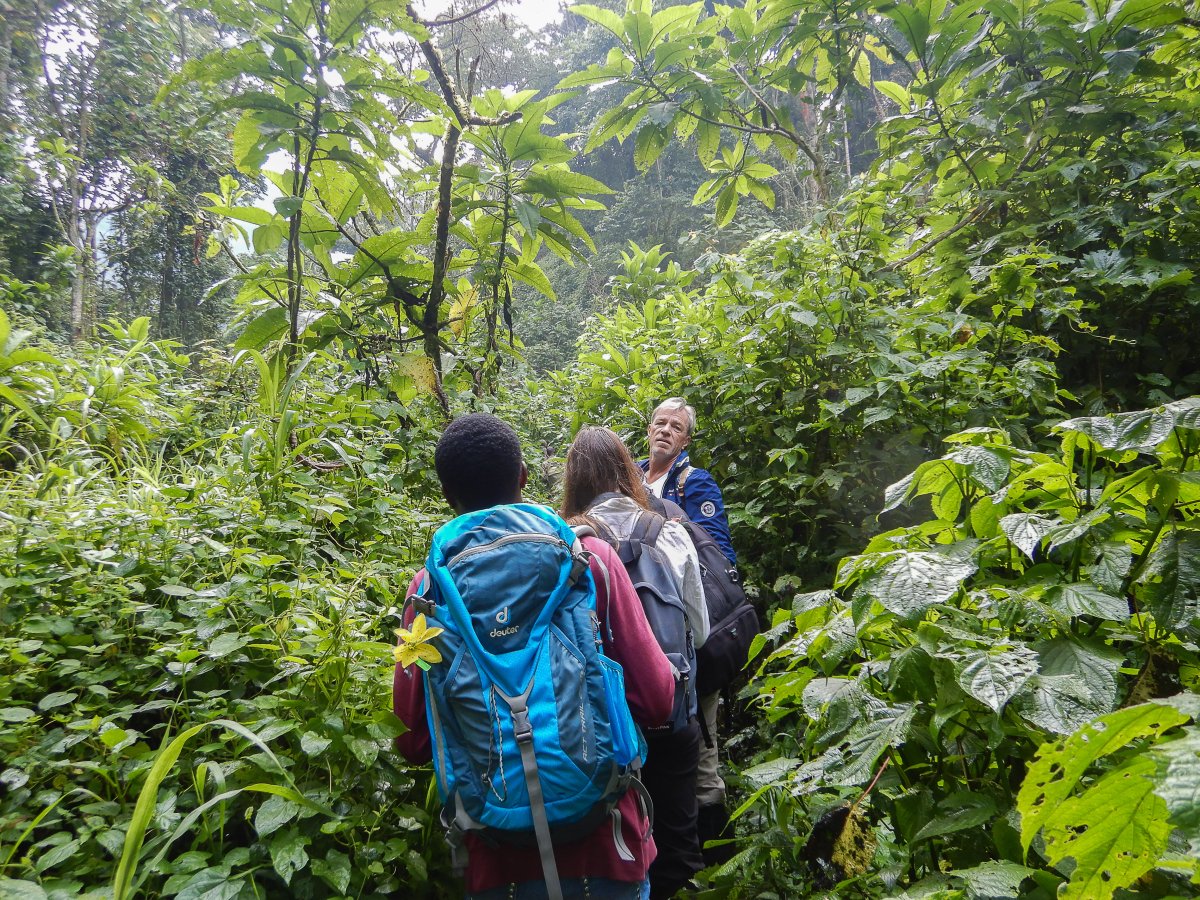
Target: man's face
668 434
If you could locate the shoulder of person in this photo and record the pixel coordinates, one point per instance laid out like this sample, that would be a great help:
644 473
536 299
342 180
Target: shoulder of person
676 534
599 547
696 475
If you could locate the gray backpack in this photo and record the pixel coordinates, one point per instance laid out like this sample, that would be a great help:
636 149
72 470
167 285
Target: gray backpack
663 603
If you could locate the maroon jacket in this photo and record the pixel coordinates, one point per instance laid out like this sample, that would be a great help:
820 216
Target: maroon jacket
650 689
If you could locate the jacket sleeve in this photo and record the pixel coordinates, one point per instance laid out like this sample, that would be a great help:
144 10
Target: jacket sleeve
408 699
704 505
682 555
649 680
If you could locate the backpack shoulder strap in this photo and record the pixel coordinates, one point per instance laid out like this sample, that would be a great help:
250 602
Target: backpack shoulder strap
647 528
681 481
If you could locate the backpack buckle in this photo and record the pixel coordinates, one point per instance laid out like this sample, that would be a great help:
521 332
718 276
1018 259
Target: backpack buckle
522 729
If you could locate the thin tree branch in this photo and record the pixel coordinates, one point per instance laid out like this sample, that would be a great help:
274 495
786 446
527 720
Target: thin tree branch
454 20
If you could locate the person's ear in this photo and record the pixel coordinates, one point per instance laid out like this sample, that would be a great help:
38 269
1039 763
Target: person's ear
522 479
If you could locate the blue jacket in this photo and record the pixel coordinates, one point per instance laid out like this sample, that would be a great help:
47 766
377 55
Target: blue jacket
701 501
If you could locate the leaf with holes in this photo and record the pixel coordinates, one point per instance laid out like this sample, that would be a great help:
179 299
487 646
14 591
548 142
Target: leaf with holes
1058 767
1115 831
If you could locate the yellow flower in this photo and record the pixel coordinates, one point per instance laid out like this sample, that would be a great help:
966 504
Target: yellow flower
414 646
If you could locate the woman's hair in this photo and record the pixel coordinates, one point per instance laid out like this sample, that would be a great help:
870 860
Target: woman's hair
598 463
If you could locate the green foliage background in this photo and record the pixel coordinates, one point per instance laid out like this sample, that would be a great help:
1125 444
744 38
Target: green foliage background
958 259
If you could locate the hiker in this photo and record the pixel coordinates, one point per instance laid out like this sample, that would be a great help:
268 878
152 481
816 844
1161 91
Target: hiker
478 461
671 478
602 484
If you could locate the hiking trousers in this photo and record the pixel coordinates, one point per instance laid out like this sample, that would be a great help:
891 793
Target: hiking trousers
670 777
710 787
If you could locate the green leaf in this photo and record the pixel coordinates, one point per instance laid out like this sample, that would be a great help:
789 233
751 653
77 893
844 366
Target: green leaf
56 855
1115 832
559 183
275 812
651 139
527 214
986 467
708 141
226 643
993 677
606 19
727 204
21 890
314 744
267 327
288 853
1091 663
1026 531
1141 430
1171 582
288 206
334 870
211 884
1178 780
531 274
268 238
1060 703
16 714
1058 766
917 580
960 811
1083 599
993 879
56 699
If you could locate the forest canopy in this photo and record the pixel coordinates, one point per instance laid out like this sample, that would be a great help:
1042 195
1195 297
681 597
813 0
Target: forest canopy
926 271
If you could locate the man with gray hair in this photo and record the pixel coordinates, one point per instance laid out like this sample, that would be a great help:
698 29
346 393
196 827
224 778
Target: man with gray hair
670 476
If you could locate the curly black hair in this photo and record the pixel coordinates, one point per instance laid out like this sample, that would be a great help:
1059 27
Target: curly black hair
478 460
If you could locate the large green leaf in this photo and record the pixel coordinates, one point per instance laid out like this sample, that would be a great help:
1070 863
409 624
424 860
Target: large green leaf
1141 430
853 759
916 580
993 677
605 18
263 329
1092 663
1178 780
1026 530
1058 766
1171 582
1115 832
1060 704
1083 599
986 467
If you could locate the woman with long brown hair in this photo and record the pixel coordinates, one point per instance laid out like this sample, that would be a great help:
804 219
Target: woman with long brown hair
603 487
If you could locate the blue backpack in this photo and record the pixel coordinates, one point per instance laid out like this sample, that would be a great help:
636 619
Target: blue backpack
530 726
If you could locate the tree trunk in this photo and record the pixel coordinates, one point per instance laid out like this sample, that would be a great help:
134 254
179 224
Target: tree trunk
169 306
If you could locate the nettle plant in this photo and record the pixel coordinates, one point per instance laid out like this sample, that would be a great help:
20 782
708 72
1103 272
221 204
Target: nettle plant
1048 589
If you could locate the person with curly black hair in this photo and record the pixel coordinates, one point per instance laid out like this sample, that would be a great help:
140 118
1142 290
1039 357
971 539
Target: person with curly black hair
479 463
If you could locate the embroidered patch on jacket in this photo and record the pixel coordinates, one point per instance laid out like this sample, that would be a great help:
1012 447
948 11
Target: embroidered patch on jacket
708 509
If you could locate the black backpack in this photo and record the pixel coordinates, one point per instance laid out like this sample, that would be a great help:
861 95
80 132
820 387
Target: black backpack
733 622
